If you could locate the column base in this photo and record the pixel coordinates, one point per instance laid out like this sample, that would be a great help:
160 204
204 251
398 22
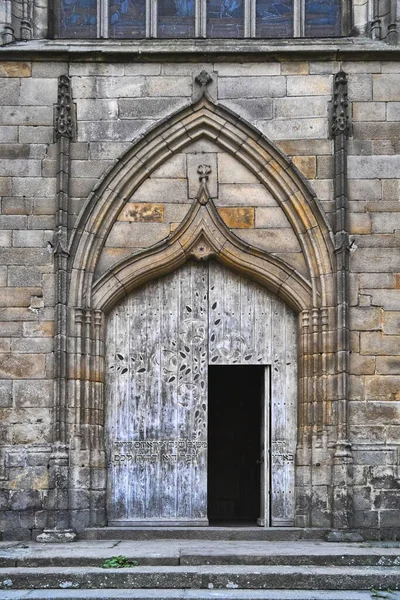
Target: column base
57 536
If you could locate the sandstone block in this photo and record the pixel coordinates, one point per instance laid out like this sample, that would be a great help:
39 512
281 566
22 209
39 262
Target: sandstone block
17 206
273 240
84 87
8 134
33 394
385 222
369 111
385 388
360 88
35 186
273 217
5 393
120 87
15 69
91 131
248 69
32 345
5 238
143 212
393 111
92 69
244 194
386 87
364 190
295 67
38 329
89 168
89 109
237 217
28 239
36 91
49 69
82 186
18 296
161 191
169 86
26 115
298 107
173 168
251 109
306 147
136 235
36 135
24 276
42 222
373 167
388 299
377 131
313 85
9 91
149 108
24 256
366 319
391 322
388 365
307 165
110 256
379 344
104 150
135 69
359 223
362 365
252 87
292 129
22 366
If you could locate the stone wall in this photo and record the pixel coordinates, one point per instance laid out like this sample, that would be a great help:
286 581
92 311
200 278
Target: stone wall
289 101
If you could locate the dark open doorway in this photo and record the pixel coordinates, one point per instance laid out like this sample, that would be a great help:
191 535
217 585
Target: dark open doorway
234 439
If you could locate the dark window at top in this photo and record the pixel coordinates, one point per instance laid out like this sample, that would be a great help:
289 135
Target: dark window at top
127 18
175 18
274 19
225 18
78 18
322 18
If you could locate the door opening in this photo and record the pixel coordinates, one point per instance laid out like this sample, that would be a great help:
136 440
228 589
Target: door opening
235 396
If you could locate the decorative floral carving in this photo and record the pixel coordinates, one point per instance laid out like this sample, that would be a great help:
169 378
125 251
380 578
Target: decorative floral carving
340 114
63 119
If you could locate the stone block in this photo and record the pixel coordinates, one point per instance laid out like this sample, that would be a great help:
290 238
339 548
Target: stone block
389 299
237 217
91 69
34 187
89 168
50 69
89 109
37 92
13 222
360 88
252 87
323 188
251 108
384 146
247 69
307 165
244 194
364 190
313 85
22 366
375 280
24 276
84 87
306 147
375 260
20 167
136 235
379 344
393 111
274 217
366 518
32 345
377 131
110 256
5 238
321 67
149 108
142 212
391 322
27 499
175 213
3 276
359 147
81 187
173 168
366 319
364 434
373 167
385 222
388 365
91 131
8 134
38 329
386 87
193 162
6 399
300 107
9 91
169 86
362 365
37 394
292 129
325 167
369 111
359 223
36 135
17 206
121 87
295 67
272 240
28 239
17 296
135 69
26 115
15 69
46 222
105 150
384 387
161 191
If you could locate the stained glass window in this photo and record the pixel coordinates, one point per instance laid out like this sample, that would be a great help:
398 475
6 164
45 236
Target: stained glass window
225 18
274 18
127 18
322 18
78 18
175 18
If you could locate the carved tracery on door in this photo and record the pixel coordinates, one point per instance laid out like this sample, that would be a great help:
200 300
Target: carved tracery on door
160 341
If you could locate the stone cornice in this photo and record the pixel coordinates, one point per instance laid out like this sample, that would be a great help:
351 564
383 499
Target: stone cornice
246 49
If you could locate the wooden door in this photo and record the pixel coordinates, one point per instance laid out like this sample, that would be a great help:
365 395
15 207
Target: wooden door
160 341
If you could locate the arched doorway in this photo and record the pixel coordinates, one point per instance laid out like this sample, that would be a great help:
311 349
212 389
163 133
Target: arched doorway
201 362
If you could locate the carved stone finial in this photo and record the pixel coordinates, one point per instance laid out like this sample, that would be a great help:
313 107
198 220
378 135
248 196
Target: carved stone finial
203 194
63 118
203 79
340 113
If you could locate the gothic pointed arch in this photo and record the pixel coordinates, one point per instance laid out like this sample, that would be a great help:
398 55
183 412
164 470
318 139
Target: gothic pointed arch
204 119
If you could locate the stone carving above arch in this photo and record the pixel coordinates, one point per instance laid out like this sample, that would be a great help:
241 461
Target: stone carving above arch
202 235
206 120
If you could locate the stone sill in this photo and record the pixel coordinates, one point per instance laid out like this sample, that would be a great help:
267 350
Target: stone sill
186 50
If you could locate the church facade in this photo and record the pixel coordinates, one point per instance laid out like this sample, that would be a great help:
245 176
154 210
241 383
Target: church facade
199 266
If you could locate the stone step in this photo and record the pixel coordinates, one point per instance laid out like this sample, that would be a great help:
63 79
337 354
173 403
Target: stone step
204 533
191 595
201 577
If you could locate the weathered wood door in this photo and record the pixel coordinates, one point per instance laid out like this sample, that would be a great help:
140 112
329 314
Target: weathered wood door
160 341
